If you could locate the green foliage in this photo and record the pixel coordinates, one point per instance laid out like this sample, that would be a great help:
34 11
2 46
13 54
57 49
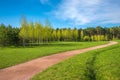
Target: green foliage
82 35
2 34
75 34
31 29
38 32
8 35
58 35
86 38
30 33
24 30
101 64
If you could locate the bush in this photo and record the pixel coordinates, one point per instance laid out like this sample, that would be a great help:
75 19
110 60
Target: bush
87 38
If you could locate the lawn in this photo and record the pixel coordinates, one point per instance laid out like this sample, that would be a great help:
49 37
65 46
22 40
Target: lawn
100 64
11 55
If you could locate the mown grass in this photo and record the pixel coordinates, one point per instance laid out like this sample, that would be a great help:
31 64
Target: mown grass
12 56
101 64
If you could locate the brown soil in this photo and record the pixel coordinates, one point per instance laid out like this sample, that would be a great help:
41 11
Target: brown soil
27 70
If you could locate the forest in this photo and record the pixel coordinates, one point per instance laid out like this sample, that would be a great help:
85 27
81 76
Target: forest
35 33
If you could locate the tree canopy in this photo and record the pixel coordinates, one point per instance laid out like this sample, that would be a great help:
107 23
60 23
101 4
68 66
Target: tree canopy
30 33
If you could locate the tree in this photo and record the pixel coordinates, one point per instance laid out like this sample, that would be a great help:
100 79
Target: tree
75 34
47 31
99 31
58 35
82 34
8 35
70 34
3 35
24 30
54 35
39 32
86 38
31 32
15 36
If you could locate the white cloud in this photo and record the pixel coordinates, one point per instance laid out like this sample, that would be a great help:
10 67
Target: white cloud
43 1
88 11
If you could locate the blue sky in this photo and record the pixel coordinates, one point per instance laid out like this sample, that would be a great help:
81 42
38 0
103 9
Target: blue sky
62 13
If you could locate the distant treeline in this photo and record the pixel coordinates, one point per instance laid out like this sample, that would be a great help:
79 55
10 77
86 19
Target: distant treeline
36 33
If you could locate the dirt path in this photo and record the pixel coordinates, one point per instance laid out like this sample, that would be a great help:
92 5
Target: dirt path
27 70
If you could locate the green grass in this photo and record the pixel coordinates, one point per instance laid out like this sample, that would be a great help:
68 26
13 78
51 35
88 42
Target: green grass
101 64
12 56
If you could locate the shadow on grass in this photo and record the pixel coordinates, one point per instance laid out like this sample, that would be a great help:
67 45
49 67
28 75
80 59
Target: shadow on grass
34 45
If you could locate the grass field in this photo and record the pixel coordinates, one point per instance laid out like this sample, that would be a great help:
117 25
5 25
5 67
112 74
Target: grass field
101 64
12 56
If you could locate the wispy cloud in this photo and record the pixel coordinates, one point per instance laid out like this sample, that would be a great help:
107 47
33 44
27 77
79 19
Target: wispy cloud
89 11
44 1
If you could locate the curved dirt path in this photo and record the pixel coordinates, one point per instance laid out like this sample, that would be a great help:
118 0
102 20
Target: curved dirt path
27 70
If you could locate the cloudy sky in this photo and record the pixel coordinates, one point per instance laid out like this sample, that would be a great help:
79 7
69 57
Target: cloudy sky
62 13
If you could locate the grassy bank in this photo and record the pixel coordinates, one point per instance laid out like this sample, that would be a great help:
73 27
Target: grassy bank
101 64
13 56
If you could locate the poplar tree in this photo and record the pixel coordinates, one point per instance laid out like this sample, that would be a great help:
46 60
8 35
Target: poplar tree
31 32
58 34
75 34
24 30
39 33
82 34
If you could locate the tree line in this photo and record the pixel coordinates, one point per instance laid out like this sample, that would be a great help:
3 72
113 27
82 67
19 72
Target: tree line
9 35
36 33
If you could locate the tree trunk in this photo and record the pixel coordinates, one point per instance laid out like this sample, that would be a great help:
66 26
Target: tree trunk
23 42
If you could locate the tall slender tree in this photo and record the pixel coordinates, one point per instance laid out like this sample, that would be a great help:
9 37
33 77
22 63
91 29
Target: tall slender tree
31 32
24 30
39 32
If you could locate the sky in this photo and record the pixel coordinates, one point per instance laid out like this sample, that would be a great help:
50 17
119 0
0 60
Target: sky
62 13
